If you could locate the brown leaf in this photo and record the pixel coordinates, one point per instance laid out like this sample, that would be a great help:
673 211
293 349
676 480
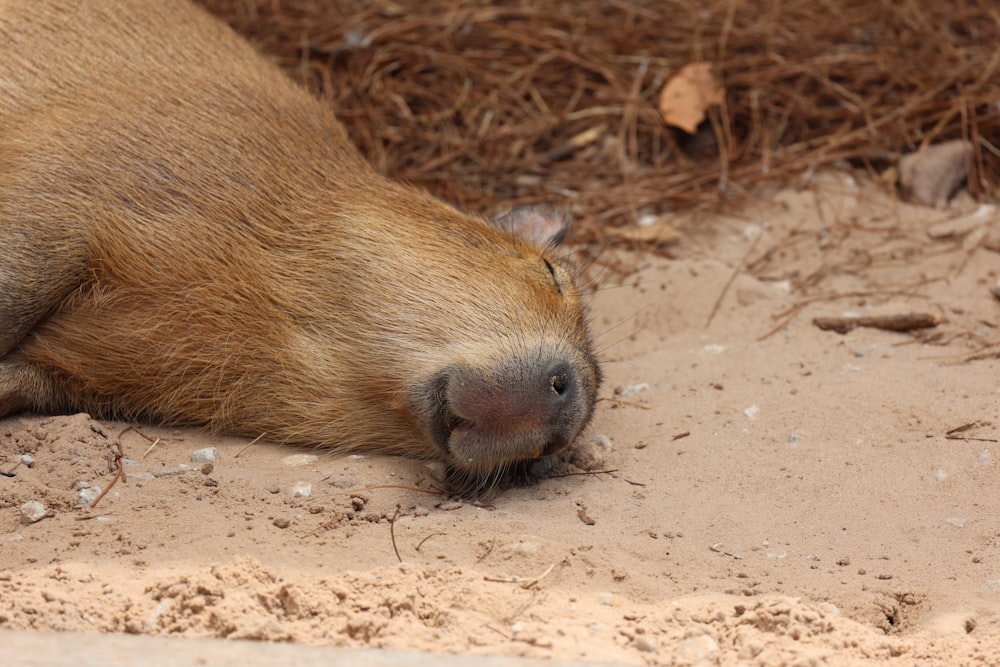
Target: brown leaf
688 94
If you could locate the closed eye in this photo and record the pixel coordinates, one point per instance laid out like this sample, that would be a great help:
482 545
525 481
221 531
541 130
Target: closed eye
552 271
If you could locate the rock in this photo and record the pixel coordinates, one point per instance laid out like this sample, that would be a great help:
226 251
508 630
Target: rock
32 512
644 644
590 454
929 177
301 490
26 459
176 470
206 455
87 494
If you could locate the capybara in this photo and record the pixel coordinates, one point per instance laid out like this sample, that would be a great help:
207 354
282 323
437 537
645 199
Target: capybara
189 237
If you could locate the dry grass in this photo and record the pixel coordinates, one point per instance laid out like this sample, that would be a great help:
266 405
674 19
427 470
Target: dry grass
489 104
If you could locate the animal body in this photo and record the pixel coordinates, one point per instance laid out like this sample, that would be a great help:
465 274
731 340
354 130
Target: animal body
188 237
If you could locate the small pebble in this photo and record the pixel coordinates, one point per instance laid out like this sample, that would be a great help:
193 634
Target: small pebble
206 455
644 644
958 523
179 469
590 455
299 459
281 522
87 494
450 505
631 390
31 512
302 490
26 459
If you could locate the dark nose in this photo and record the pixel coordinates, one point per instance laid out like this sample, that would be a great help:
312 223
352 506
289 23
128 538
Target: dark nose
543 398
518 408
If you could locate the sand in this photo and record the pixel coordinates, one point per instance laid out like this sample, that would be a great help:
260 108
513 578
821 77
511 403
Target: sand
764 493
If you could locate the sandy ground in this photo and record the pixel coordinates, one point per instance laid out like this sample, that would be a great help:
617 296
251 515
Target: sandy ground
803 497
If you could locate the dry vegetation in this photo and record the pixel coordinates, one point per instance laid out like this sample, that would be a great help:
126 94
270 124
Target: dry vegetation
489 104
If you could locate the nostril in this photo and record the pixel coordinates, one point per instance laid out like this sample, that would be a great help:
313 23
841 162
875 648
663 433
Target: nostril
559 381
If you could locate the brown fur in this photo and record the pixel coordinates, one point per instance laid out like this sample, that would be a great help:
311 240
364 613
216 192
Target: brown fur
186 236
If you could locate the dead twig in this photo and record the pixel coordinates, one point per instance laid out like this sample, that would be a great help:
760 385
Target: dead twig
421 543
149 449
582 473
522 582
248 445
901 322
717 548
619 401
736 271
392 532
956 433
116 462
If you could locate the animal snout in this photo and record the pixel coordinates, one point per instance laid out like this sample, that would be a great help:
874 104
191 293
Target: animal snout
510 411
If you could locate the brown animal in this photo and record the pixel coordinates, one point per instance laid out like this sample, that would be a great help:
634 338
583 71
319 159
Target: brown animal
188 237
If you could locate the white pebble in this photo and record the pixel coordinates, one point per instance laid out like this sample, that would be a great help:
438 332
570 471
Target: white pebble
302 490
299 459
940 475
983 458
206 455
31 512
88 494
633 389
958 523
26 459
752 412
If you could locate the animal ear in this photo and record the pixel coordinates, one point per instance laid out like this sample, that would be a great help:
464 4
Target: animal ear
542 226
